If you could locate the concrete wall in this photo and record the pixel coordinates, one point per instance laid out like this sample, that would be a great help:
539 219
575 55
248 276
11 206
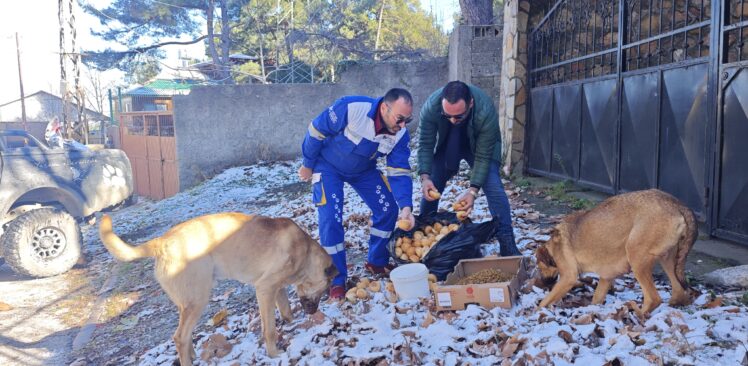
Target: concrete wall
222 126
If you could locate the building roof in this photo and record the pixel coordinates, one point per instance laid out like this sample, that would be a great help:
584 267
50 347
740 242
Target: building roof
163 87
42 106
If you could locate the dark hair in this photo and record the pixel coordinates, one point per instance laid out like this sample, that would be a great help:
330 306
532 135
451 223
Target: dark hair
397 93
456 90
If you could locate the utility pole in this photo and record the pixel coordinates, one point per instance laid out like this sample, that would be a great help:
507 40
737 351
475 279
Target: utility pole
20 82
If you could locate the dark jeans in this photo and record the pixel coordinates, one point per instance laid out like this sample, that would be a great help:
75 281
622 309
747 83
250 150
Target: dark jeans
498 203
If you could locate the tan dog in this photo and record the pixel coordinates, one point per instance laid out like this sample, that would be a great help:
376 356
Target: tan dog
265 252
625 232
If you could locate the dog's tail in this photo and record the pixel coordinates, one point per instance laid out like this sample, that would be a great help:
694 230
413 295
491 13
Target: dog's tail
118 248
685 243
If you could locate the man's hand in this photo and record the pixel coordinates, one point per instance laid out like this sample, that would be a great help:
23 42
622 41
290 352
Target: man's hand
407 214
305 174
466 200
426 186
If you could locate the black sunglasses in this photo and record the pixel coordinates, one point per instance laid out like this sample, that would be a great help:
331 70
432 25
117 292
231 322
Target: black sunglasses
457 117
400 119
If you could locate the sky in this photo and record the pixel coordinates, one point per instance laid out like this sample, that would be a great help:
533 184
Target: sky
37 26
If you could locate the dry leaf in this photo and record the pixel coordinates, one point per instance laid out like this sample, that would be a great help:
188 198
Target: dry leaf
216 346
5 307
318 317
449 317
566 336
403 310
509 348
428 321
220 317
395 324
714 303
408 333
733 310
583 320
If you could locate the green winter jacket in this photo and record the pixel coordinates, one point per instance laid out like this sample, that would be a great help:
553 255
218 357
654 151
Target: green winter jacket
483 133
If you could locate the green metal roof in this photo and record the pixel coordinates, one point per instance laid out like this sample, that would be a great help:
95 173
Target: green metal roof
165 87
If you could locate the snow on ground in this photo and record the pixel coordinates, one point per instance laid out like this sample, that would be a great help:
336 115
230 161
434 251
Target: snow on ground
379 331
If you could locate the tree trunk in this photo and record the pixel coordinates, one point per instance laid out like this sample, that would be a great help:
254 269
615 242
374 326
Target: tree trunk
225 44
477 12
379 31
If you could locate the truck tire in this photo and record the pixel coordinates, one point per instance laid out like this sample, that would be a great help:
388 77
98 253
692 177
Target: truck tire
42 243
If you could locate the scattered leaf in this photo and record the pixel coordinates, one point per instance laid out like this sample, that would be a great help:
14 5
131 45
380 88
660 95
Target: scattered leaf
566 336
428 320
717 302
5 307
509 349
220 317
216 346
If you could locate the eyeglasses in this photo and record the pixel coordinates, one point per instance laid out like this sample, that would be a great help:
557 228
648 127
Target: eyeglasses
400 119
457 117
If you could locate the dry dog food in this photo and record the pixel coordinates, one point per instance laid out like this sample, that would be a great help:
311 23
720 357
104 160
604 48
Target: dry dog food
489 275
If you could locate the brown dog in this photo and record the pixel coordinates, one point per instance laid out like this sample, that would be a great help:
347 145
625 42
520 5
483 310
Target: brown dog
625 232
267 253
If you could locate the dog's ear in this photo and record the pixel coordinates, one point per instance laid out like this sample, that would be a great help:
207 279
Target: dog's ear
542 255
331 271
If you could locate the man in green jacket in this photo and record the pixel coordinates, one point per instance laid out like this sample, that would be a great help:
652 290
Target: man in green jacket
459 121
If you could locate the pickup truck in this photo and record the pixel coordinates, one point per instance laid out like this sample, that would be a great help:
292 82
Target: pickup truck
45 193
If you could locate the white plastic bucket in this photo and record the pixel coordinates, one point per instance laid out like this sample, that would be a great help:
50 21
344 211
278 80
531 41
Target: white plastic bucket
411 281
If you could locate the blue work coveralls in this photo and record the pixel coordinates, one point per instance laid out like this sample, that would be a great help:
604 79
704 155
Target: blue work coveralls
341 146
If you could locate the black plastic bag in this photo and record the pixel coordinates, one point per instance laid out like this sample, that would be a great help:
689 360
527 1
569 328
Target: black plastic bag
463 243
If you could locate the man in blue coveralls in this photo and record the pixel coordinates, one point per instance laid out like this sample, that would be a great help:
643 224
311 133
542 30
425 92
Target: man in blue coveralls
342 146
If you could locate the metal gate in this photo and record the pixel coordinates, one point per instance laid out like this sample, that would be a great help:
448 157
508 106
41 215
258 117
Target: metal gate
731 176
639 108
148 140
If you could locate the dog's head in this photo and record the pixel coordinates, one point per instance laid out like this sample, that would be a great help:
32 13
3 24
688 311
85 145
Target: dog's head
317 280
547 268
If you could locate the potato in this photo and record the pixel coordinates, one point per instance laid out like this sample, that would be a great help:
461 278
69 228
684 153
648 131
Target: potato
390 287
458 205
425 251
404 257
445 230
350 295
410 251
405 246
375 286
453 227
462 215
407 240
362 294
398 251
438 226
419 251
404 225
414 258
434 194
418 235
440 237
428 230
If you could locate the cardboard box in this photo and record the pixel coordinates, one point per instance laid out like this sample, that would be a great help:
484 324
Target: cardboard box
449 296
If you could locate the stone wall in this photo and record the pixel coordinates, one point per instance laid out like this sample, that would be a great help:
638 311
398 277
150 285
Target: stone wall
514 84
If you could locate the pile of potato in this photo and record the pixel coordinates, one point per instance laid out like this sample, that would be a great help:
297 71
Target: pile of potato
366 287
423 240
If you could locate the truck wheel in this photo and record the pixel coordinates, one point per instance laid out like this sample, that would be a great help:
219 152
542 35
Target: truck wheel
42 243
